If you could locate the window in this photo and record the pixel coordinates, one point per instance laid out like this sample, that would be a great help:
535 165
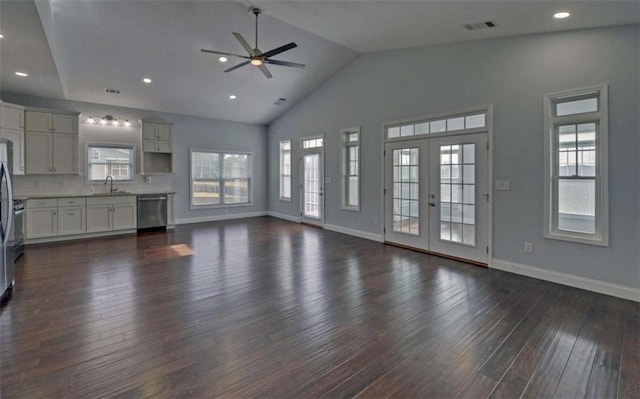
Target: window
219 178
351 169
285 170
110 160
473 120
576 202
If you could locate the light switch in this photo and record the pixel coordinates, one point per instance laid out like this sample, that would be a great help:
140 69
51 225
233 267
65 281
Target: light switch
503 185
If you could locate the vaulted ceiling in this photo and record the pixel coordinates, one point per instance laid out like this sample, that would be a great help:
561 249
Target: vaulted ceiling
74 49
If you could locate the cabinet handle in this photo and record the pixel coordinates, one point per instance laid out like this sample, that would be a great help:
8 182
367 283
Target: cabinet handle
71 213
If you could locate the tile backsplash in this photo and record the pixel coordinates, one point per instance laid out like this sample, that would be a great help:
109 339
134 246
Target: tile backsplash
77 184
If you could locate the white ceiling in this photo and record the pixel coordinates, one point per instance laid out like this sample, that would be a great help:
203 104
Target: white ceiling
366 26
74 49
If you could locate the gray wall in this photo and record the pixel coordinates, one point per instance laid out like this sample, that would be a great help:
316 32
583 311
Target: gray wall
513 74
189 132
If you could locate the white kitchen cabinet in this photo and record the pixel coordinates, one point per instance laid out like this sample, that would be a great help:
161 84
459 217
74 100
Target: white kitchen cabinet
65 153
98 218
38 121
111 213
38 153
171 213
51 143
41 222
11 117
63 123
71 220
124 217
157 148
12 128
17 138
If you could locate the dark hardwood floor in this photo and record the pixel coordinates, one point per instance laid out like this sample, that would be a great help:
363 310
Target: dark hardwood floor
267 308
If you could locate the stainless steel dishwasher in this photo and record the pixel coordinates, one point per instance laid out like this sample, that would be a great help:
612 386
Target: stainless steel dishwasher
152 211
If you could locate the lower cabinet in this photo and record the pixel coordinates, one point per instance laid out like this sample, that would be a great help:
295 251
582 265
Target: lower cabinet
53 217
111 213
71 220
41 222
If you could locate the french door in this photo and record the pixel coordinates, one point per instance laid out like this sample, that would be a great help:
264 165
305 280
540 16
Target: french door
312 187
436 195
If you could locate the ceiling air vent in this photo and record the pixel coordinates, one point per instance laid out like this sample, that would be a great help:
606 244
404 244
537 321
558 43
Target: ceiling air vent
111 91
280 101
481 25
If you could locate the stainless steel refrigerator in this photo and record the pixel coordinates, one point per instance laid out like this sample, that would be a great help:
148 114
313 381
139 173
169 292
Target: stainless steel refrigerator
7 258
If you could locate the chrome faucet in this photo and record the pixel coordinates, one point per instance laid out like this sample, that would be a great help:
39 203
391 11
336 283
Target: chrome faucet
111 189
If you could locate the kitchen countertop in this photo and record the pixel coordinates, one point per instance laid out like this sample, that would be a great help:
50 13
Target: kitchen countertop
72 195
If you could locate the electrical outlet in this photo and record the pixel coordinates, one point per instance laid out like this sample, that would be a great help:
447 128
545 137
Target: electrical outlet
503 185
528 247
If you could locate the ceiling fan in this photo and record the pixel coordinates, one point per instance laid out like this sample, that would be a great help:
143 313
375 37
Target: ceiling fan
257 57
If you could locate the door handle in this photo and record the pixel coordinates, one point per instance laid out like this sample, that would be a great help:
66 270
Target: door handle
432 204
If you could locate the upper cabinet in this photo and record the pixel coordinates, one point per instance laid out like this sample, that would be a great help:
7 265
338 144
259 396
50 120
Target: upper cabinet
157 148
11 116
51 142
12 128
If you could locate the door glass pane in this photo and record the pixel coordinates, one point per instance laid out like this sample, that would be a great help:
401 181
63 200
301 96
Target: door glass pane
312 185
406 190
474 121
577 205
422 128
457 193
406 130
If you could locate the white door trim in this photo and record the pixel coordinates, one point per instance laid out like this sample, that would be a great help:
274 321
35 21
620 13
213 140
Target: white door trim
489 127
303 152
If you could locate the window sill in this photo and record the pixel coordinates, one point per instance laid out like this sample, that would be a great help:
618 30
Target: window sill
220 206
597 241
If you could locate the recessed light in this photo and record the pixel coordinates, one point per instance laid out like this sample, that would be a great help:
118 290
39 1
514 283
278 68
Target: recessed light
91 120
233 97
127 123
22 74
223 59
1 36
103 121
146 80
561 15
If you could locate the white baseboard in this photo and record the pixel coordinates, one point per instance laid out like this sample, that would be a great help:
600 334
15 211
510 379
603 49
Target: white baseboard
284 216
77 236
620 291
356 233
216 218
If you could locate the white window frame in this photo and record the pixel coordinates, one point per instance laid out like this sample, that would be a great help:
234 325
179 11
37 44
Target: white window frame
281 173
88 163
221 178
345 147
600 118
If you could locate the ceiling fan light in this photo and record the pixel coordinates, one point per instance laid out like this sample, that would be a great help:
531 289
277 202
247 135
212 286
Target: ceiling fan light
256 62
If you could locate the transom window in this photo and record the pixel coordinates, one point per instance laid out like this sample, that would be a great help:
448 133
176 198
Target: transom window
475 120
312 143
110 160
220 178
576 177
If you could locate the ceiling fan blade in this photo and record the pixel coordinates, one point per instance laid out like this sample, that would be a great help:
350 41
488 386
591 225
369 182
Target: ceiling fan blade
237 66
244 43
279 50
285 63
223 53
266 72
